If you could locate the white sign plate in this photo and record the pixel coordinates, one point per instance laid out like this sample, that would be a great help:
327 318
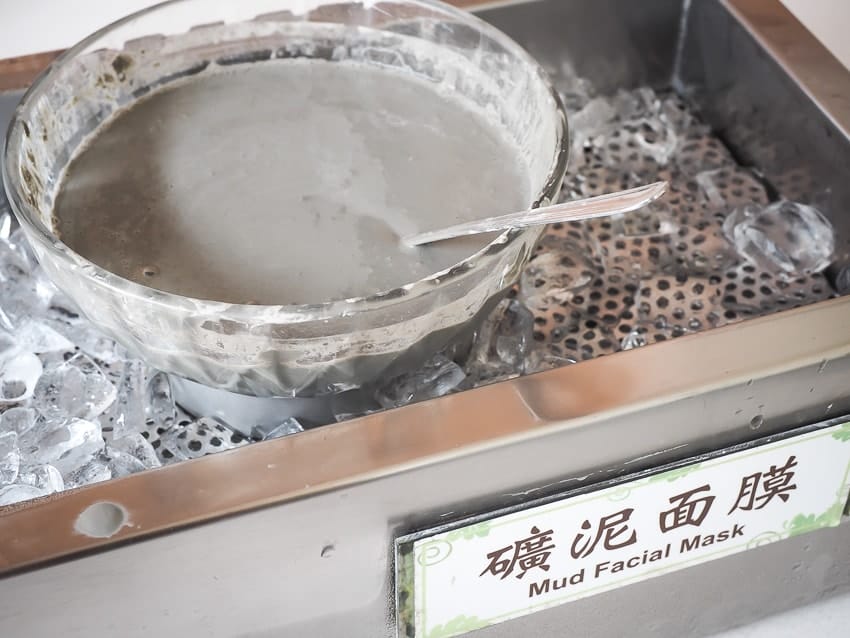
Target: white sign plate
490 571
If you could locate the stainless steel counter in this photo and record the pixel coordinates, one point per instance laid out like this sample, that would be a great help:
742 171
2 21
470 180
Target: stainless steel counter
294 536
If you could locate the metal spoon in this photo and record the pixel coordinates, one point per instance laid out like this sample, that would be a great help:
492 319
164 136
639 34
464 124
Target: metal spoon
590 208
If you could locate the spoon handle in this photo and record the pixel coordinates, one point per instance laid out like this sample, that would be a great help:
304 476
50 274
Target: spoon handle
590 208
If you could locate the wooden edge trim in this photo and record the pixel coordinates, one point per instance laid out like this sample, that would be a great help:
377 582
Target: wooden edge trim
18 73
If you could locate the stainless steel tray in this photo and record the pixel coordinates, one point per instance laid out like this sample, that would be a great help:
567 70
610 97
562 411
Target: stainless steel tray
295 536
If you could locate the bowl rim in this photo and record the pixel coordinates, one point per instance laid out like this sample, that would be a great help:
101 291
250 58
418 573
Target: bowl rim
30 221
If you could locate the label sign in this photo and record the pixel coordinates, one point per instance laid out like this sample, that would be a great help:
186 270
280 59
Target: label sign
490 571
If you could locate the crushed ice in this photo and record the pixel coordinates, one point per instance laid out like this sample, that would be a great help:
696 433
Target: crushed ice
75 408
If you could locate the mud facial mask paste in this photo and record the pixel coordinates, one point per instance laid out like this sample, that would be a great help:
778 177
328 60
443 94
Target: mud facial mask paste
286 182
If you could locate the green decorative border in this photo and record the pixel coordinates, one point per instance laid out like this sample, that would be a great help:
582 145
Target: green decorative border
672 475
438 549
842 433
805 523
478 530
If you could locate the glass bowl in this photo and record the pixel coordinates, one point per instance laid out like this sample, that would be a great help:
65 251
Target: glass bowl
296 350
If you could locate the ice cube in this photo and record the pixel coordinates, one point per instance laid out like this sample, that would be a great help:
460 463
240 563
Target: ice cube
785 237
5 219
18 419
40 338
159 402
501 344
512 334
19 372
122 464
640 146
707 181
594 118
137 446
636 103
23 300
288 426
95 470
635 339
575 91
127 412
7 344
14 267
61 305
10 457
6 322
18 493
540 360
90 340
589 127
59 393
43 477
505 336
19 243
728 187
478 374
557 273
656 140
67 447
24 289
437 377
76 388
675 114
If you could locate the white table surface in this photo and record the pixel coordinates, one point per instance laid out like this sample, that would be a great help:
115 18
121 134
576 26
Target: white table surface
63 22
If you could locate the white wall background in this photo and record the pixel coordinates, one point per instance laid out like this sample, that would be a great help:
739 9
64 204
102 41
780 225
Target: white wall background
31 26
829 20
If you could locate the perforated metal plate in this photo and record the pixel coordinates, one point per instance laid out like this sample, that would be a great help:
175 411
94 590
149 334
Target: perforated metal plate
665 271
